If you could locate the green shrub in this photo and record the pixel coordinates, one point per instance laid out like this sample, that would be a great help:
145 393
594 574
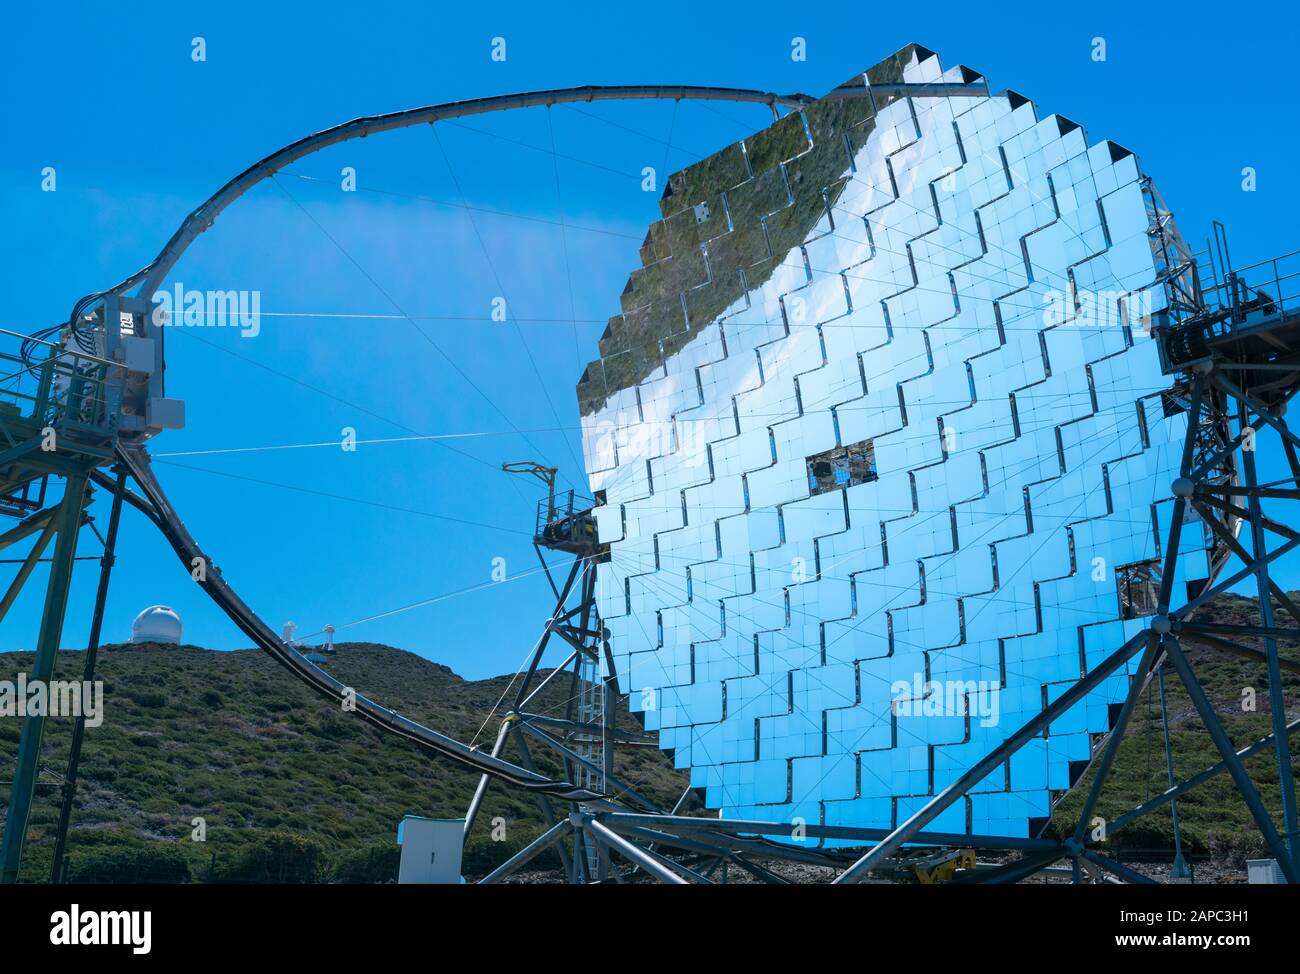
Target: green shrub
155 862
276 857
374 864
211 699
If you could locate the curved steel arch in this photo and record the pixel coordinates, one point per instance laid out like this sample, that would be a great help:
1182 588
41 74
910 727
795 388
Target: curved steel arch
201 218
150 276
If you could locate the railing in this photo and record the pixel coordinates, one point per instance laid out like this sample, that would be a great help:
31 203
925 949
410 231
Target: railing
68 390
565 521
1263 291
1259 294
562 508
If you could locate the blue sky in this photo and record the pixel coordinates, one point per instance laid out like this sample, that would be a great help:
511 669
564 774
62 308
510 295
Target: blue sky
139 134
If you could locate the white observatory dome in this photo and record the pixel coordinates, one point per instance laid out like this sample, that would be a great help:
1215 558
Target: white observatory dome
157 624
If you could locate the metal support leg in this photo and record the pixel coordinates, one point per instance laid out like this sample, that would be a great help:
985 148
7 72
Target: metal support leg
1118 868
1162 609
87 676
1117 735
1229 755
608 837
1180 870
1276 698
933 808
543 802
539 845
477 801
47 647
28 565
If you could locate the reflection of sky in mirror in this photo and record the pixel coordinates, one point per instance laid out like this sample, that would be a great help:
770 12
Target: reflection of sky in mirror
840 655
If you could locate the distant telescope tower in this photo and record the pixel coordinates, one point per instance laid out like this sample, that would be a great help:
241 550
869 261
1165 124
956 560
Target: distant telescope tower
329 638
157 624
287 633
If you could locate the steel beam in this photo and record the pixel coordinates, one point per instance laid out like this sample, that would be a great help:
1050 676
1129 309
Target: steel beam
47 647
723 843
687 823
569 754
27 527
540 649
28 566
1118 868
87 676
1195 781
529 852
633 853
1235 767
477 801
1276 698
543 801
1188 633
1117 734
935 806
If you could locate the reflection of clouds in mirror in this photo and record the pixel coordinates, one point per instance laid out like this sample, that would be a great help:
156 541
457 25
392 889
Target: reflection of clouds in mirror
966 559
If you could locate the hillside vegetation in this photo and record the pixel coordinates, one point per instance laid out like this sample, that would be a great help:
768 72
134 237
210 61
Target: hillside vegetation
290 787
1213 818
294 790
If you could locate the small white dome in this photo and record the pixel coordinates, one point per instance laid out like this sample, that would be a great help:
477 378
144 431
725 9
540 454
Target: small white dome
157 624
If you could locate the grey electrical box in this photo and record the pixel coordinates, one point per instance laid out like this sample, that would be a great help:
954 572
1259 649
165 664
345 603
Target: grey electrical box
165 414
138 354
431 849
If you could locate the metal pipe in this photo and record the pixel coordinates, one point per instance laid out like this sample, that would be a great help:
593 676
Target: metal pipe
612 840
150 277
389 721
1180 864
481 789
